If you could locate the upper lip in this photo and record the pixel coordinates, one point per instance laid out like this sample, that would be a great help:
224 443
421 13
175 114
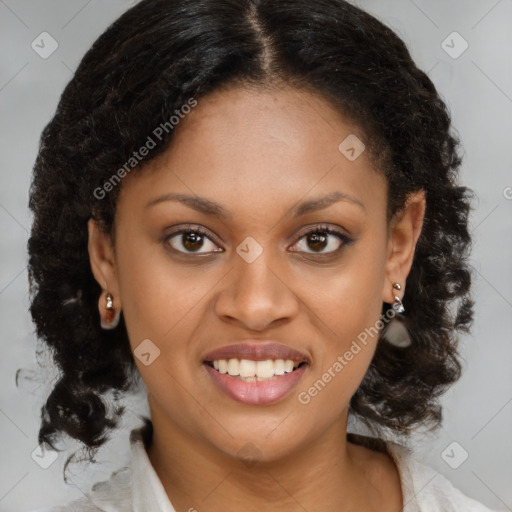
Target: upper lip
257 351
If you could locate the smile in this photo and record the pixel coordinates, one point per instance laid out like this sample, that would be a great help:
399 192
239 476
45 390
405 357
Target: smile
256 382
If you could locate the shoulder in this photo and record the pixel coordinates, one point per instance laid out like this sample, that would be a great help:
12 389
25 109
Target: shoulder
428 490
125 489
112 495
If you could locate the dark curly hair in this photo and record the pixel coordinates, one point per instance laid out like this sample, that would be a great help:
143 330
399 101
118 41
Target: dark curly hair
143 68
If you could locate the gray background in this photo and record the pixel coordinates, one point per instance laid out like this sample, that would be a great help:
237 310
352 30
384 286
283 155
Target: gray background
478 89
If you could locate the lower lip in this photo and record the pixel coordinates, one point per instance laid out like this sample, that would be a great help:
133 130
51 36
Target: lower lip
256 393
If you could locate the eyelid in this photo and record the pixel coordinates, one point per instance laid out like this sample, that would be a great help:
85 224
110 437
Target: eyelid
195 228
323 227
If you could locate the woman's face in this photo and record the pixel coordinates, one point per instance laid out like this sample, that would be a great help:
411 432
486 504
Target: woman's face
250 164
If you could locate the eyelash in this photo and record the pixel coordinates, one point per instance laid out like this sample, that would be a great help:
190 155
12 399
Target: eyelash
322 229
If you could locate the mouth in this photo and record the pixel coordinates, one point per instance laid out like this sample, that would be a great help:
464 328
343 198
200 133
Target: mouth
247 370
257 373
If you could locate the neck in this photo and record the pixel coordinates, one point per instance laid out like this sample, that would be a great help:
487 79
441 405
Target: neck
323 475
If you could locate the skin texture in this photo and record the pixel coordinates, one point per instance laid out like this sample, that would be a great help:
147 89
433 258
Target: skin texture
258 153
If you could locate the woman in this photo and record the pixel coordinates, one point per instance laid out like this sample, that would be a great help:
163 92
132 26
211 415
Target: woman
253 206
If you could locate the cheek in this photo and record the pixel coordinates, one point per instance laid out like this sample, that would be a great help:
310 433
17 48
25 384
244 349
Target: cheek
347 308
159 298
349 298
164 303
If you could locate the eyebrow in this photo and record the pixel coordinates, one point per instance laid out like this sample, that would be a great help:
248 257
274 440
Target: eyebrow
209 207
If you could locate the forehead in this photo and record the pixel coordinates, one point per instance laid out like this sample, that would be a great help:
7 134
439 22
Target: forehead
281 144
263 120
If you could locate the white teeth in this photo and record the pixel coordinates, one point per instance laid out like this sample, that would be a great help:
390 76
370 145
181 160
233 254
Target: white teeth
234 367
279 367
251 371
222 364
288 366
265 369
247 368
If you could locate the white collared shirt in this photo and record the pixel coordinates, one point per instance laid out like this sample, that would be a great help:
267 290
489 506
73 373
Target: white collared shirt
137 488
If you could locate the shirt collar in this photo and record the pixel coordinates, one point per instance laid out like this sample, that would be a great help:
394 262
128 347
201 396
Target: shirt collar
148 493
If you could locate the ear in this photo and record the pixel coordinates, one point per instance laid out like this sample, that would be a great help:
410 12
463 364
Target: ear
404 231
102 260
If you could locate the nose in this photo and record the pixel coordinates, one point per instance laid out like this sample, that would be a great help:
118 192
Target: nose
256 296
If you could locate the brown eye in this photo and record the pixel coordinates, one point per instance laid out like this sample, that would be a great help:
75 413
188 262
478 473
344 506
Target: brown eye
322 240
192 241
189 241
317 241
